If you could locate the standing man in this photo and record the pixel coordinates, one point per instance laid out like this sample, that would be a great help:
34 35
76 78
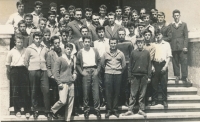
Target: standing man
29 23
127 11
88 65
103 18
52 25
179 44
118 15
113 62
92 27
37 13
88 17
62 11
111 29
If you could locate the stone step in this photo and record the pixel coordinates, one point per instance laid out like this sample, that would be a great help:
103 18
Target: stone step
182 90
179 99
151 117
171 83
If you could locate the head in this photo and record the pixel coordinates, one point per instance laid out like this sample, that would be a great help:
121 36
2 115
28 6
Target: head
118 11
71 10
127 10
62 25
102 10
95 19
78 14
113 43
140 43
66 17
135 15
131 27
158 34
18 41
52 16
20 6
111 18
42 23
70 30
62 9
22 26
141 26
55 41
38 7
88 13
154 13
28 19
161 17
84 30
142 11
37 38
146 18
121 34
68 49
100 30
47 34
53 7
125 20
147 35
176 15
86 41
64 34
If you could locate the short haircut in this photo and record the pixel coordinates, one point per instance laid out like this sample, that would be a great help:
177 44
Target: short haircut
52 5
145 15
103 7
37 33
84 27
46 30
68 45
125 7
42 19
62 22
135 11
129 24
147 31
68 28
28 15
154 10
111 14
65 13
139 39
95 14
176 11
38 3
20 2
143 9
54 38
18 37
64 31
161 14
100 28
86 37
51 13
71 7
62 6
21 22
122 29
124 16
142 24
113 39
88 9
118 7
78 9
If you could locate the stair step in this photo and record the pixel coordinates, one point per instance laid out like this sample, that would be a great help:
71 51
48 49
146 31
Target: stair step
171 83
183 99
182 90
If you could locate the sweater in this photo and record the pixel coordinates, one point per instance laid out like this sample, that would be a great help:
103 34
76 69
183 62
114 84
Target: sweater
140 63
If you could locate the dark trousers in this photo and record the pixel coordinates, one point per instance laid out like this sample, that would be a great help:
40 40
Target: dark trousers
53 91
39 80
90 80
112 90
159 79
20 88
138 87
102 86
180 58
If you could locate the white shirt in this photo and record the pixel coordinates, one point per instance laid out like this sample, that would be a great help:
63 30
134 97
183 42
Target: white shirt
102 20
36 18
88 58
102 46
163 51
132 39
119 22
73 50
14 19
180 22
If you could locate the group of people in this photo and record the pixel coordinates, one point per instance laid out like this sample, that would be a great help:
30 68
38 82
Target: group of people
113 59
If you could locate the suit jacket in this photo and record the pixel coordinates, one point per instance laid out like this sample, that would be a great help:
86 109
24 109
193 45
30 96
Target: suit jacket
84 22
93 33
179 38
112 34
76 30
78 44
51 59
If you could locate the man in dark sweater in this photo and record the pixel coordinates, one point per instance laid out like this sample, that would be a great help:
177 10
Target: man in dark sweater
139 75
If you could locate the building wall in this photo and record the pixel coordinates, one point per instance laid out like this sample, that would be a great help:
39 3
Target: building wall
189 11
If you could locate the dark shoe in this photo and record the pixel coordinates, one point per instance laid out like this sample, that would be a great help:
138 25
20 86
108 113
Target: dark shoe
153 103
103 104
142 113
55 116
48 115
128 113
165 104
98 115
107 115
177 79
86 115
35 114
116 114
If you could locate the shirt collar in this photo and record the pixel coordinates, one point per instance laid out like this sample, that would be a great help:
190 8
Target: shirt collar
180 22
52 26
34 13
162 42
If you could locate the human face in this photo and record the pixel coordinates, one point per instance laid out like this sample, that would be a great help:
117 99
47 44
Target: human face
135 16
141 28
20 8
47 36
38 9
142 12
146 19
22 28
56 43
118 12
84 32
147 36
71 12
159 36
95 20
52 18
37 40
19 43
161 18
176 17
66 18
53 9
42 25
111 20
62 10
140 44
113 44
127 11
78 15
155 14
88 15
131 29
101 33
102 12
86 43
125 21
28 20
121 35
64 37
68 51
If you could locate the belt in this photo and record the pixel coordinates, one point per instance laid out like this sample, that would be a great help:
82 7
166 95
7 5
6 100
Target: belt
89 67
18 67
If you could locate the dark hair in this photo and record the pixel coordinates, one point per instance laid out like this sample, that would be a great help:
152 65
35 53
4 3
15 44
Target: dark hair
28 15
143 9
86 37
61 23
64 31
84 27
125 7
20 2
38 3
117 7
124 16
95 14
17 36
54 38
88 9
62 6
176 11
161 14
147 31
103 7
51 13
42 19
111 14
37 33
46 30
113 39
78 9
71 7
52 5
135 11
100 28
122 29
21 22
129 24
145 15
68 45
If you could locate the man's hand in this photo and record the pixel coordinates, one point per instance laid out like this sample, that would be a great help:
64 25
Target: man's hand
84 73
185 50
149 80
153 69
60 86
52 77
74 76
164 69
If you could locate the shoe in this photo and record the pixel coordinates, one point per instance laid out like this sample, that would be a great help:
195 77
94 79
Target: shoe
165 104
103 104
116 114
142 113
177 79
128 113
18 114
35 114
48 115
153 103
98 115
86 115
54 116
75 114
107 115
27 115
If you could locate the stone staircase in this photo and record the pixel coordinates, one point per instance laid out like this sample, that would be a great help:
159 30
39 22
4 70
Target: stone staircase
183 106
